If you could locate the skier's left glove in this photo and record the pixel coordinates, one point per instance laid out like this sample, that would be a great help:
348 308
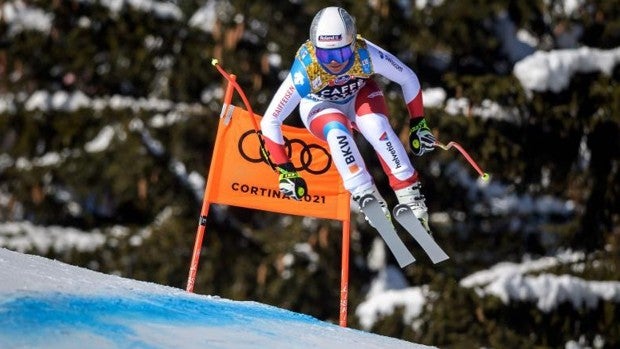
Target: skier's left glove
291 183
421 140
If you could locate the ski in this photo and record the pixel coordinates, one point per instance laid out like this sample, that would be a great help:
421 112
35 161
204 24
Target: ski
405 217
371 207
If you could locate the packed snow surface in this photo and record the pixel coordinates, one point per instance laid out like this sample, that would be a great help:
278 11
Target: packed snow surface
49 304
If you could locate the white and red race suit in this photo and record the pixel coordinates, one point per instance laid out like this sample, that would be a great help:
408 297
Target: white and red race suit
331 105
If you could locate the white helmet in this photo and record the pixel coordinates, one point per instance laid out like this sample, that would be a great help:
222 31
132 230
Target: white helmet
332 27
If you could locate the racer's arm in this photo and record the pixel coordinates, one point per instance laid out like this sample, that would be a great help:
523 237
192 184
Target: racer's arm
387 65
285 100
281 106
421 139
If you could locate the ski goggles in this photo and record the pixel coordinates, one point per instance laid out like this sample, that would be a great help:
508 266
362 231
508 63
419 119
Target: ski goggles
339 55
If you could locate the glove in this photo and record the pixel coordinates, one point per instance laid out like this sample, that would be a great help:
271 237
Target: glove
421 140
291 183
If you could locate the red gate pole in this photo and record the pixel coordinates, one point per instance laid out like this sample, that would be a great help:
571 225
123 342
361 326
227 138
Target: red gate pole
204 211
344 273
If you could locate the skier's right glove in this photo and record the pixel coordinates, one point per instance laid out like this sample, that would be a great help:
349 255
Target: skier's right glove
421 140
291 183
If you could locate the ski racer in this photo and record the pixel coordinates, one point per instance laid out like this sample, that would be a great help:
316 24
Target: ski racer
331 79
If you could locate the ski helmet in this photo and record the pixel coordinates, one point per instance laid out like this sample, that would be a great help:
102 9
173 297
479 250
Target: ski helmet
332 27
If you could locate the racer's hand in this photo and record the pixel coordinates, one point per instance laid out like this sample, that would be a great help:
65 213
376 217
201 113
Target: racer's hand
421 140
291 183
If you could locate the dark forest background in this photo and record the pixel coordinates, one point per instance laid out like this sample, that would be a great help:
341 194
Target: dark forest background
453 45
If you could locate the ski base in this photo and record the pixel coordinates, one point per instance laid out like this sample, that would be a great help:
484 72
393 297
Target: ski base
371 207
405 217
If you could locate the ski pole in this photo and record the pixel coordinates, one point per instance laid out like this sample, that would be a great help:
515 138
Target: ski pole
234 83
483 175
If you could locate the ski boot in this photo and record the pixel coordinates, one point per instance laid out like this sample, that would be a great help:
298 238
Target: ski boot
412 197
372 190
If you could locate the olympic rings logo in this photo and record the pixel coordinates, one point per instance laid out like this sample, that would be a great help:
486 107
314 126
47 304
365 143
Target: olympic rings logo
305 154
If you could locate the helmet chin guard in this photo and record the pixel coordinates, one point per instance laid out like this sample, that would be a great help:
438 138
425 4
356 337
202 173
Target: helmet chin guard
332 27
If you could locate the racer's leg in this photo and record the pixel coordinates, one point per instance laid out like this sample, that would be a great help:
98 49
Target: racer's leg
372 122
328 123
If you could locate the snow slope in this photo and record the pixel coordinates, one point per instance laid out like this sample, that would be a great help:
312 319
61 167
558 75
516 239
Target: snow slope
49 304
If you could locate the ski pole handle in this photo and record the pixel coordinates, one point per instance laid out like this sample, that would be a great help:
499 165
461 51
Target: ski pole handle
483 175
